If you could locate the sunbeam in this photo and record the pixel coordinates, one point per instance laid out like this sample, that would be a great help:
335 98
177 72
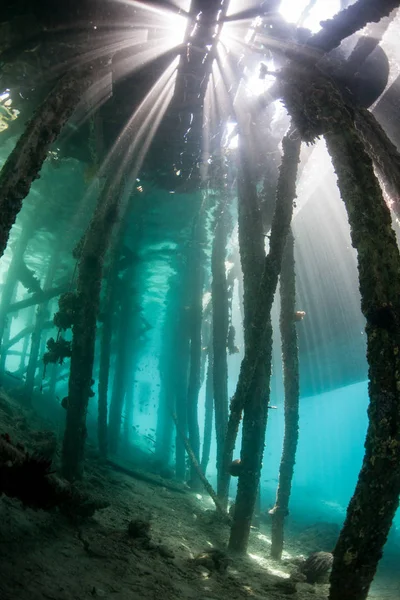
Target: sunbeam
137 134
296 11
150 14
199 298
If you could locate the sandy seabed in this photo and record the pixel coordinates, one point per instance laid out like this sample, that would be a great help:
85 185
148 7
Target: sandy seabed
44 555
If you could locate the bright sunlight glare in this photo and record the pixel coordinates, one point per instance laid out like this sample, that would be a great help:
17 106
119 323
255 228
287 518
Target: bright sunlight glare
147 16
267 564
236 6
143 124
293 11
256 83
231 140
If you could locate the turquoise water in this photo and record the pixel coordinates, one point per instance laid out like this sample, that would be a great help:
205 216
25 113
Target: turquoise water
334 390
329 456
330 451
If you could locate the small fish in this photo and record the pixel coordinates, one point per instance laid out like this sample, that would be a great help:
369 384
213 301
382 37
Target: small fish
299 315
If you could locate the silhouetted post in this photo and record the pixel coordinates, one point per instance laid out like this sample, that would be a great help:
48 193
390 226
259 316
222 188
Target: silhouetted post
90 273
383 152
181 374
259 351
209 410
41 318
376 497
290 360
11 281
25 162
24 350
167 368
349 21
252 256
196 265
220 326
317 108
108 319
129 404
123 360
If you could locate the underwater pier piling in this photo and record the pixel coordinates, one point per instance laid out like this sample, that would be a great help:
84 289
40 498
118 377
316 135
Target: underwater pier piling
196 264
25 161
252 256
124 359
290 360
317 108
349 21
383 152
258 351
220 328
180 376
375 501
355 141
90 272
108 322
183 123
8 290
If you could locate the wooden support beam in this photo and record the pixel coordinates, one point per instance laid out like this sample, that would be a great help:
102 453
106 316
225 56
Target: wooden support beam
38 298
22 334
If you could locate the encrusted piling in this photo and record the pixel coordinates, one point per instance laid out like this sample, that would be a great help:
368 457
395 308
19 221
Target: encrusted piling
259 350
376 497
25 162
290 361
318 108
